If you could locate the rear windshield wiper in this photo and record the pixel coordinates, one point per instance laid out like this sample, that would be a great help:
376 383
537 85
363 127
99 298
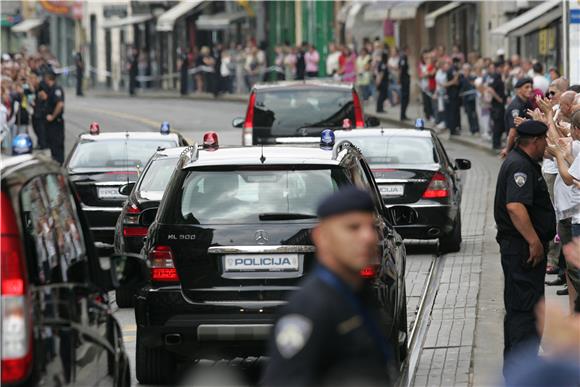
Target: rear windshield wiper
285 216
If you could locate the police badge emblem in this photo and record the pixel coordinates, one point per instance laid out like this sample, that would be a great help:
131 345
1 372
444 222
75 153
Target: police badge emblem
292 333
520 178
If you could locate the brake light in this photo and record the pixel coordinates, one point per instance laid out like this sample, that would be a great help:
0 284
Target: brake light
16 327
359 121
131 215
438 187
248 129
133 209
369 271
134 231
161 264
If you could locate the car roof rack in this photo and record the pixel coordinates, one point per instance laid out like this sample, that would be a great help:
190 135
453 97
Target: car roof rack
340 146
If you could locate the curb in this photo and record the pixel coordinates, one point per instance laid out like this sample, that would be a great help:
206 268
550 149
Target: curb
192 97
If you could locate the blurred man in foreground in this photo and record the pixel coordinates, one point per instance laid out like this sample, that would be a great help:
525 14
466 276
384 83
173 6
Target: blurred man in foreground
329 333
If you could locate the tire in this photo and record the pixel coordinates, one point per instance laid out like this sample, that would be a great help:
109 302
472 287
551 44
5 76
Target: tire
451 243
403 350
154 365
125 297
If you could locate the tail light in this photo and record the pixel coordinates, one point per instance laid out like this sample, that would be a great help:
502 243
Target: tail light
248 129
359 121
132 214
438 187
16 321
369 271
135 231
161 264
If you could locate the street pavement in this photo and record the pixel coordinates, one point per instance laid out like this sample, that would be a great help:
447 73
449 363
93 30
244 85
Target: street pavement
463 340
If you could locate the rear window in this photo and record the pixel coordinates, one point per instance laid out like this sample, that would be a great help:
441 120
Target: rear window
254 195
157 176
286 111
115 153
397 150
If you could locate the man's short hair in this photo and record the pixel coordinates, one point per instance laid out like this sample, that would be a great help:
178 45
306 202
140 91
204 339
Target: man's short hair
538 68
575 88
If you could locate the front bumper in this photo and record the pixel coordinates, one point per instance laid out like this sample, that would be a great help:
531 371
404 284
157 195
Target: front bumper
425 219
165 319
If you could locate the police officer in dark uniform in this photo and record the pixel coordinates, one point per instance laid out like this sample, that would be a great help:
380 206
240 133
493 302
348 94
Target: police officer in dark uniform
517 108
405 80
526 223
54 121
328 333
497 111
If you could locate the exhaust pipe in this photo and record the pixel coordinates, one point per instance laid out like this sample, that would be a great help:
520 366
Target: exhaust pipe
173 339
433 231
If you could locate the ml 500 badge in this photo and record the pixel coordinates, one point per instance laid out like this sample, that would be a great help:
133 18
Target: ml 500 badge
181 237
273 262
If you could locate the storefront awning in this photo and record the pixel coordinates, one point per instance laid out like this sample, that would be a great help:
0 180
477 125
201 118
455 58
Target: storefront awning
432 16
392 10
167 20
126 21
219 21
27 25
531 20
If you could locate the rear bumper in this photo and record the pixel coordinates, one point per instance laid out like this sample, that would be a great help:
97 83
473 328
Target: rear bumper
165 319
431 220
102 222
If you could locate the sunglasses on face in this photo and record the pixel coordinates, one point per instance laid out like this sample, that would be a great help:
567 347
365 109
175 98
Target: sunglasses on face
550 94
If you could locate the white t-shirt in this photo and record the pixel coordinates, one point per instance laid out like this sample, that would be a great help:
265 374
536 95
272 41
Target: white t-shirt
575 172
332 63
567 198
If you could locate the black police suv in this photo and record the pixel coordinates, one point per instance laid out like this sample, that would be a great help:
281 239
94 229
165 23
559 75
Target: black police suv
231 240
417 181
139 211
294 111
57 326
101 164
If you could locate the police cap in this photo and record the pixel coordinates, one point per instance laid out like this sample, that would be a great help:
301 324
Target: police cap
348 199
532 128
524 81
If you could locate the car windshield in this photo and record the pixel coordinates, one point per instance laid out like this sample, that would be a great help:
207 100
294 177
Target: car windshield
277 109
396 149
253 195
115 153
157 176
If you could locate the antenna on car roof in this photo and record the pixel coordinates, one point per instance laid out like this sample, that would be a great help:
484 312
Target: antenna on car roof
262 158
127 155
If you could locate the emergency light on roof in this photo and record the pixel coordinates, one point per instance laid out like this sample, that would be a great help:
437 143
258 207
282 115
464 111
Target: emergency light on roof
419 124
327 139
94 128
210 141
165 127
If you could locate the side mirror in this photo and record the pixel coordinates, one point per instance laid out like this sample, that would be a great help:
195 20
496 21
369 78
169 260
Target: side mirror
148 216
372 122
238 122
463 164
126 189
123 269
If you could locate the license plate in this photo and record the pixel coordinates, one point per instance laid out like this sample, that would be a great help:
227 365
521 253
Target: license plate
260 263
392 190
109 193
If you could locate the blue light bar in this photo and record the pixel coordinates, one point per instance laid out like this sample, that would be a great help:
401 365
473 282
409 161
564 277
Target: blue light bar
165 127
419 123
327 139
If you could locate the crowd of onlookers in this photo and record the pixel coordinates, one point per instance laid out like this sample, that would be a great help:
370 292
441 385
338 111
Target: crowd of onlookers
28 99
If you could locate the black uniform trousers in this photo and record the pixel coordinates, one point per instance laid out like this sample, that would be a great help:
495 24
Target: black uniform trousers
405 86
55 139
497 126
38 125
523 288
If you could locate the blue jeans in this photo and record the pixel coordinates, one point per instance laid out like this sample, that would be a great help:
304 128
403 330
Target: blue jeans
575 230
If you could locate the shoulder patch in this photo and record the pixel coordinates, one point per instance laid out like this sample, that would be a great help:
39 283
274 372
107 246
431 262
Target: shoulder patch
292 333
515 113
58 92
520 178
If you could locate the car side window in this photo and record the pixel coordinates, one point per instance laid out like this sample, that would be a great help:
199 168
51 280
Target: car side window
53 233
442 151
375 189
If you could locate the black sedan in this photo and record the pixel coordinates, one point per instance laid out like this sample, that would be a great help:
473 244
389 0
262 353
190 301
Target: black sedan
100 165
417 180
140 209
